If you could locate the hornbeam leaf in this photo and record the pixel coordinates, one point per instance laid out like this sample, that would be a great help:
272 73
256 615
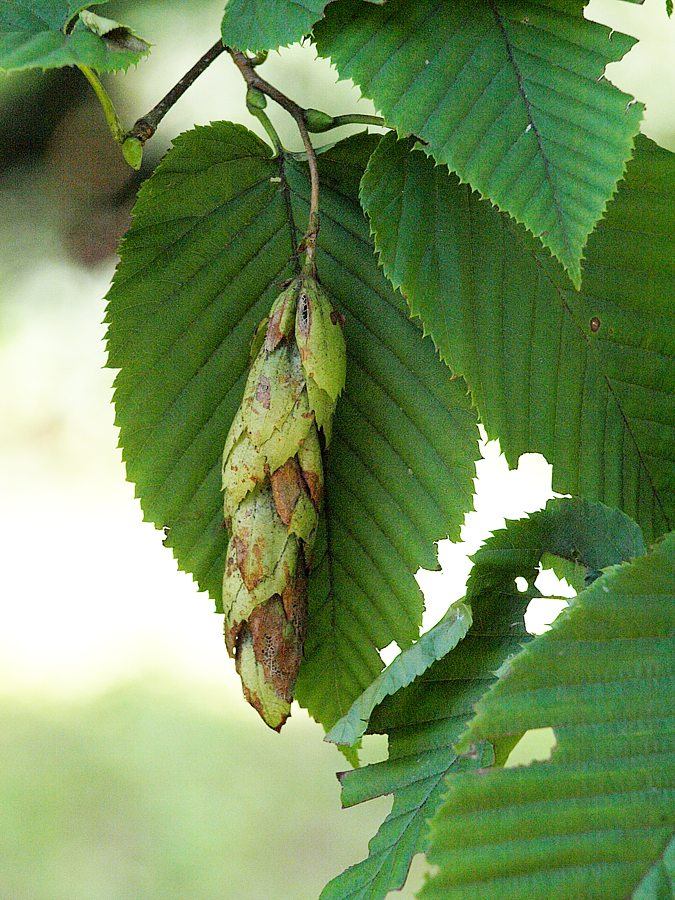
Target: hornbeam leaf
510 95
33 35
425 719
586 378
597 819
210 244
259 25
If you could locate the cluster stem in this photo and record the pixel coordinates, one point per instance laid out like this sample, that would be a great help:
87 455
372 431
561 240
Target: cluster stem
145 127
253 80
109 110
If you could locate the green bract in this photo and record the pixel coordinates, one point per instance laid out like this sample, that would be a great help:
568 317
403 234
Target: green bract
318 333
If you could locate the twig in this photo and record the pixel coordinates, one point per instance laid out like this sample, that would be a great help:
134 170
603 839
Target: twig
146 126
253 80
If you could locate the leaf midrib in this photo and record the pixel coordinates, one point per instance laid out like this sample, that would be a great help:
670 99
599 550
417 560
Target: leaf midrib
531 119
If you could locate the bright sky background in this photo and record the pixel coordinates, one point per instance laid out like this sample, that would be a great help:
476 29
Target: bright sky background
88 594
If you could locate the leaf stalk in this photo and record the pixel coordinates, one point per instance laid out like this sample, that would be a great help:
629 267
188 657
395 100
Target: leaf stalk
109 110
270 130
349 119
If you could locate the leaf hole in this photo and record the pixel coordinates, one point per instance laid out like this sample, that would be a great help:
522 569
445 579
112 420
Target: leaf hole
303 314
389 653
536 745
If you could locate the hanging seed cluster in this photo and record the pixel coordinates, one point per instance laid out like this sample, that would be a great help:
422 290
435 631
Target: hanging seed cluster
273 487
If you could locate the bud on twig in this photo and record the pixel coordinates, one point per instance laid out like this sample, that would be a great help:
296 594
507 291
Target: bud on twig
273 488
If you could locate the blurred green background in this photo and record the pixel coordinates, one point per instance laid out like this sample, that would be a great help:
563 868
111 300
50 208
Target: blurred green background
147 792
130 766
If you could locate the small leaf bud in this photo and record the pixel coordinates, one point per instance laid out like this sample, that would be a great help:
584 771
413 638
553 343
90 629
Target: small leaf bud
132 150
317 120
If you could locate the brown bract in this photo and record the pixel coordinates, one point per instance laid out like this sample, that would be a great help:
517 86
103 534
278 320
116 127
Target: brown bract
263 392
287 486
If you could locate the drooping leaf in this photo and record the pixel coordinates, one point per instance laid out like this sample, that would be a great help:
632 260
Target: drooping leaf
258 25
586 379
597 819
209 246
509 95
408 665
424 720
115 35
33 35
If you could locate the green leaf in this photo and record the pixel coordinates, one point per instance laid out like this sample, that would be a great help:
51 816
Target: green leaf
432 646
259 25
208 248
509 95
425 719
597 819
586 379
32 35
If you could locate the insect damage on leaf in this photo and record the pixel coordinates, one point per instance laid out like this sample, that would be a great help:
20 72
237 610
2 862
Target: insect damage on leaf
273 487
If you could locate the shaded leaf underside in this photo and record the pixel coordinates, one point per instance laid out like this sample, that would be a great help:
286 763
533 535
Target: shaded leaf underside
598 816
32 36
425 719
509 94
205 256
584 378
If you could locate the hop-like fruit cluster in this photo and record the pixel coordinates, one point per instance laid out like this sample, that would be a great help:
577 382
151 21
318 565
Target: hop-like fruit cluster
273 487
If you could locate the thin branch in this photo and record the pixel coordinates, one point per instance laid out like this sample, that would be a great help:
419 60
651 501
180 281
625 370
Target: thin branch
146 126
253 80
